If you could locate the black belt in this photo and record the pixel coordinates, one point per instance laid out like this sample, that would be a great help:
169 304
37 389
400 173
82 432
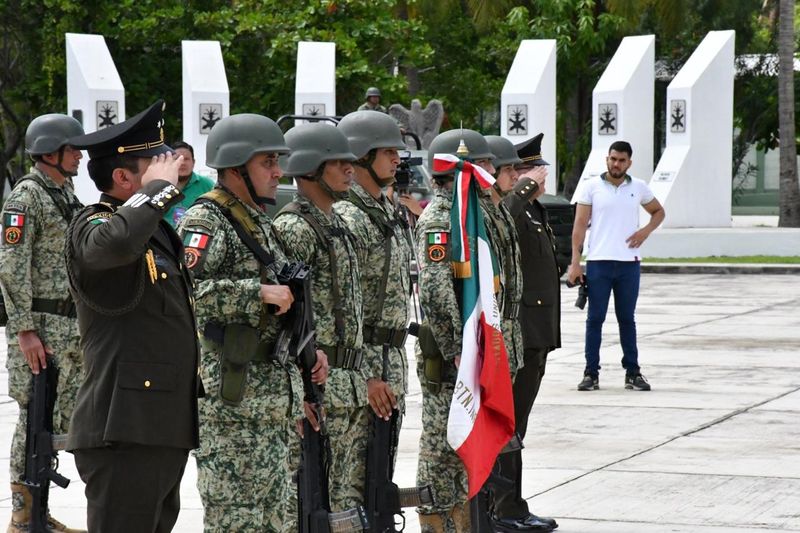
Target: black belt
215 333
380 336
341 357
54 307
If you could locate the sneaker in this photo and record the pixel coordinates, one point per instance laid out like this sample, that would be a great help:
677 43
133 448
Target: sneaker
636 382
589 382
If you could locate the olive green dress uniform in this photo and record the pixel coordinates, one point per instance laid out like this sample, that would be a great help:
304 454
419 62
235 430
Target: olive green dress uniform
345 389
438 465
36 294
244 475
505 247
540 318
137 407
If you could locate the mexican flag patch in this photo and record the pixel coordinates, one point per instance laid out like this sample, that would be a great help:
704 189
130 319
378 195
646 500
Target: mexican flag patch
195 240
13 228
437 237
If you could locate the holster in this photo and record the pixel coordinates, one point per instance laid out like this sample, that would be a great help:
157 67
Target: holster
432 360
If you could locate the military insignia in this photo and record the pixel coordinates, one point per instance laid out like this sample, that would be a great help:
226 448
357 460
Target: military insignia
16 207
194 243
14 224
437 245
99 218
191 257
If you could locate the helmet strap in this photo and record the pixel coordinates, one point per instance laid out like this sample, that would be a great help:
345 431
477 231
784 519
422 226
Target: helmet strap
58 166
343 195
366 163
260 200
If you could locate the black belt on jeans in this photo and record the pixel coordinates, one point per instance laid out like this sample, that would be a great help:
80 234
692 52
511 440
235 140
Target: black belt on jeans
342 357
380 336
55 307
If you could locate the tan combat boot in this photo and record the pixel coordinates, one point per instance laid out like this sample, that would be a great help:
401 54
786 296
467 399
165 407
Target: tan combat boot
21 513
431 523
461 518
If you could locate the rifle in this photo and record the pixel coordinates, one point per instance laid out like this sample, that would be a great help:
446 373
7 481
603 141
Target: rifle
313 499
481 505
41 456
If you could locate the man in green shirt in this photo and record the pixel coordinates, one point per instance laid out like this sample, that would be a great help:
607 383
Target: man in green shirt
192 185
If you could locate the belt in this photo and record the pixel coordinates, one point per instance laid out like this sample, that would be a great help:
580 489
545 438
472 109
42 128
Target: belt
395 338
214 335
55 307
342 357
511 310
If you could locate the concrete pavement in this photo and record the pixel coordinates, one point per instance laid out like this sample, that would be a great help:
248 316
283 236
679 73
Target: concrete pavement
714 447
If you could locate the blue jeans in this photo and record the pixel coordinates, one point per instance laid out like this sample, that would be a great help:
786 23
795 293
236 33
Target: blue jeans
603 277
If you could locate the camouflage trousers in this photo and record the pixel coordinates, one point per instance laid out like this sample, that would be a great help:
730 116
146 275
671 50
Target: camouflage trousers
70 366
438 465
243 475
348 430
512 338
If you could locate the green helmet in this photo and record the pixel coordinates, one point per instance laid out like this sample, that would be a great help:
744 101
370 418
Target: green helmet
48 133
367 130
237 138
312 145
373 91
503 150
448 142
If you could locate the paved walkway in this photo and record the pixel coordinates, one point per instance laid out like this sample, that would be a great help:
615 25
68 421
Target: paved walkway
714 448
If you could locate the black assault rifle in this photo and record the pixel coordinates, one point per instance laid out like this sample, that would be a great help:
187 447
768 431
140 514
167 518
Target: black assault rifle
384 499
313 499
41 446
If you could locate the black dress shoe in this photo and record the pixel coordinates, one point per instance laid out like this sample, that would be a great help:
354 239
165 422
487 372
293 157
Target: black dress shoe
532 518
526 523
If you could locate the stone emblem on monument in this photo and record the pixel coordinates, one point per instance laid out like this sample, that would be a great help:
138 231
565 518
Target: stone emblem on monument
677 116
314 110
107 113
210 114
518 119
607 114
424 123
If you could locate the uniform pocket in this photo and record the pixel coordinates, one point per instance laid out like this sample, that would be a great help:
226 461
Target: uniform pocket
146 376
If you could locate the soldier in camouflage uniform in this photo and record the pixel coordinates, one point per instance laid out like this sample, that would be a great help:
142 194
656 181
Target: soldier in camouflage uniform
505 246
41 313
384 256
312 232
247 418
438 349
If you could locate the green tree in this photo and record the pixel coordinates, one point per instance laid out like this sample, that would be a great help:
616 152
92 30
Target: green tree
789 208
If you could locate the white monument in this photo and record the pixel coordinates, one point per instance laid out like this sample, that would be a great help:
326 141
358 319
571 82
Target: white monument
622 108
95 96
206 97
315 84
528 100
693 177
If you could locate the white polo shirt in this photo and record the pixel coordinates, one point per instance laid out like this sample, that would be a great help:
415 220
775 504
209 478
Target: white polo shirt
615 217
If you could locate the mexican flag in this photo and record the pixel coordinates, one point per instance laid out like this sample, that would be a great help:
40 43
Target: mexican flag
481 419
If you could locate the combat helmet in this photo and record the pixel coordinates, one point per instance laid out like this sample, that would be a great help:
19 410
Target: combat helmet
367 130
237 138
373 91
503 150
49 133
447 143
312 145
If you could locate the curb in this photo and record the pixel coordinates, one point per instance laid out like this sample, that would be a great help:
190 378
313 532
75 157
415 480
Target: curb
719 268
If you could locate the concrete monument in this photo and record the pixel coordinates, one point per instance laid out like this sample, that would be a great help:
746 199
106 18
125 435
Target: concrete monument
315 84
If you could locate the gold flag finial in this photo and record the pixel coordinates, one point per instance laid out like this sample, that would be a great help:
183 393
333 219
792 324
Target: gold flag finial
462 151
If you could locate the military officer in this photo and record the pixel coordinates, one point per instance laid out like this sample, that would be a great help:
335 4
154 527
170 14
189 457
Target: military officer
439 345
135 419
312 232
385 256
372 101
255 391
539 316
41 314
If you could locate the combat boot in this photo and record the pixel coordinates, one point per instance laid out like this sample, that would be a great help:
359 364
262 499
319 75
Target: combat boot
461 518
21 513
432 523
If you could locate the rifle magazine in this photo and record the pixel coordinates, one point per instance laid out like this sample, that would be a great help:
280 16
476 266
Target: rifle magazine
348 521
416 496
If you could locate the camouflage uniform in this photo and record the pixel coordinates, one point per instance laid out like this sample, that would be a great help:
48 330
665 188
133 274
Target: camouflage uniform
32 267
345 390
244 475
505 246
439 466
370 243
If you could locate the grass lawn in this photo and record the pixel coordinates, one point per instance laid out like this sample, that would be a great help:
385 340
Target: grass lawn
745 259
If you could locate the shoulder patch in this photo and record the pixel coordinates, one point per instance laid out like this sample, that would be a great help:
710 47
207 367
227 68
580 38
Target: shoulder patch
15 207
99 218
14 228
195 244
437 245
200 224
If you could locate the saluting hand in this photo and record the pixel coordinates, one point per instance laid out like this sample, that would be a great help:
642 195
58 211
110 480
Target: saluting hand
163 167
277 295
33 349
538 174
381 397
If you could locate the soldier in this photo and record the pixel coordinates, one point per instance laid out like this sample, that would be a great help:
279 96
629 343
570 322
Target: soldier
539 314
255 392
312 232
381 236
372 101
439 346
41 313
135 418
